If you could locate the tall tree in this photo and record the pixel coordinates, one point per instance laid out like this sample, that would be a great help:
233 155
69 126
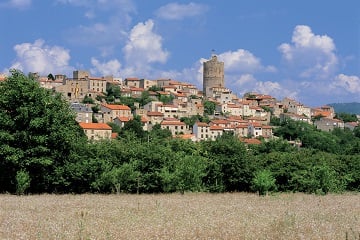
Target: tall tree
37 133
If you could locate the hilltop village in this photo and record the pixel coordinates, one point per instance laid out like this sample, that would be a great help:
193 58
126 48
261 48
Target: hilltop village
169 103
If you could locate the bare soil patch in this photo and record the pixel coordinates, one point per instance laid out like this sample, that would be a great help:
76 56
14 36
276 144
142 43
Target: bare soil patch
175 216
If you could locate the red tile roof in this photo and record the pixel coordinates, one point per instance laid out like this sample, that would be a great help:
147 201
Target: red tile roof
251 141
202 124
216 128
185 136
95 126
114 135
116 107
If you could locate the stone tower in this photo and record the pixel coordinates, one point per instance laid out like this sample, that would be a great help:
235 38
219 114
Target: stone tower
213 75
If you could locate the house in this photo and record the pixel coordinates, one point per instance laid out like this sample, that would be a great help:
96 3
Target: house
112 111
136 92
215 131
324 111
242 130
295 117
146 83
49 83
97 85
132 82
154 118
327 124
201 131
255 129
351 125
73 89
96 131
175 126
230 109
169 110
253 141
267 131
224 123
83 112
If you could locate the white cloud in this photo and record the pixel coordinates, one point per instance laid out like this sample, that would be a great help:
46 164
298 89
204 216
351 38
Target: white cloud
41 58
110 68
243 61
313 54
20 4
176 11
349 83
274 89
245 79
144 47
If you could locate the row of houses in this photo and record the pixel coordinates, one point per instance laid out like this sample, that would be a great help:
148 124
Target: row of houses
248 116
198 132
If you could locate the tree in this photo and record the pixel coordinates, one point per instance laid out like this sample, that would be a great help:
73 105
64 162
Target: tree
263 182
209 107
22 181
88 100
37 133
135 126
346 117
50 77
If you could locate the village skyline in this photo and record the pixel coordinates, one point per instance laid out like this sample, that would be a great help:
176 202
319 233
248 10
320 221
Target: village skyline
307 50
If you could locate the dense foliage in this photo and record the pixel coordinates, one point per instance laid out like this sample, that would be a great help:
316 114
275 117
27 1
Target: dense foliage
42 149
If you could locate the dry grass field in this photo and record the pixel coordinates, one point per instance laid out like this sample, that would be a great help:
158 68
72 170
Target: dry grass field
175 216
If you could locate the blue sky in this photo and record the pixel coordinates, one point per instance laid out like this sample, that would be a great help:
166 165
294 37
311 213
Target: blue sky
307 50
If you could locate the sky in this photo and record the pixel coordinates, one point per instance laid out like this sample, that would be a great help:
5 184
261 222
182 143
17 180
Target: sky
306 50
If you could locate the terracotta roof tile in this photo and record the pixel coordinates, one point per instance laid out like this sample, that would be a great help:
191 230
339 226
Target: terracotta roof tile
95 126
216 128
251 141
202 124
116 107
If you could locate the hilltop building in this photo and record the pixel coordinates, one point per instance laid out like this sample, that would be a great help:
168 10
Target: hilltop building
213 75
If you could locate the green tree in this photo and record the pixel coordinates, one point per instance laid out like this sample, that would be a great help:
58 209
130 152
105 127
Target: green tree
22 181
209 107
50 77
154 88
134 126
38 132
113 91
346 117
88 100
263 182
166 99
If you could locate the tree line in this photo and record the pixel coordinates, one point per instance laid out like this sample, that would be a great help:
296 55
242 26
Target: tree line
42 149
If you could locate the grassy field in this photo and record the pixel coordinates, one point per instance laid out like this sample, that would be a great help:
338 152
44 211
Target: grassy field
175 216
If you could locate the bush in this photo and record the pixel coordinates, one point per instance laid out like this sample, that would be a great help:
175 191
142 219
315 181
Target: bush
22 182
263 182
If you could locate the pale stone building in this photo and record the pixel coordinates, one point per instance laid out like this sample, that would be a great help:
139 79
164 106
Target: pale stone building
96 131
213 75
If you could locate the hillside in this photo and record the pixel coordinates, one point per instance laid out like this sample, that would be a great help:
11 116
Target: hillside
351 108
